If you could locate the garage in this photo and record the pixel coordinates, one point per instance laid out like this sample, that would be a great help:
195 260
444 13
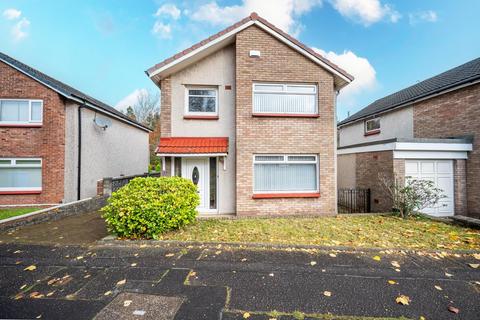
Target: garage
441 173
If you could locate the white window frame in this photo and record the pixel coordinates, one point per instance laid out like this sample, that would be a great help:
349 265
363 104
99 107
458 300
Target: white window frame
284 91
373 130
286 161
30 121
187 100
13 164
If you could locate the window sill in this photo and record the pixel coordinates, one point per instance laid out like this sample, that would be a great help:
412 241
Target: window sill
371 133
21 125
285 195
200 117
284 115
22 192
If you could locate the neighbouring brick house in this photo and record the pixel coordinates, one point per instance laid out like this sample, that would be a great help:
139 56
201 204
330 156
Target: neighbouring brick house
249 115
56 142
430 130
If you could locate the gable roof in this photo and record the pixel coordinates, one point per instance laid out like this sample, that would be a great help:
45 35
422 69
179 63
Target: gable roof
226 36
69 92
462 75
193 145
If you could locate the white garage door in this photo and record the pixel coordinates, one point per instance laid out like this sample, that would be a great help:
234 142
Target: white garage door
441 173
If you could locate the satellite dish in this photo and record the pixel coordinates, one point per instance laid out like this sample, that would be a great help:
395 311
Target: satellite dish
102 122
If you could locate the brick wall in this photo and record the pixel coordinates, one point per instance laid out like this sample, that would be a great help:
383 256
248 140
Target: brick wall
281 135
166 108
451 115
460 186
46 142
369 165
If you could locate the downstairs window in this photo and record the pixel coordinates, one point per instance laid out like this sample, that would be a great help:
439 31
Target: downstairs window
20 175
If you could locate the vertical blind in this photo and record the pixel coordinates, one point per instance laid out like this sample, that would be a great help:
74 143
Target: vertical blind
285 173
284 98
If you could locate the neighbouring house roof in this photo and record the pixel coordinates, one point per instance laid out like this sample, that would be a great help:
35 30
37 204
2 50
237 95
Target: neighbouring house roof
69 92
190 145
227 36
457 77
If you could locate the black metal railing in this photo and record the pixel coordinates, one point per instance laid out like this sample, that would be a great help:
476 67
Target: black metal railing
119 182
353 200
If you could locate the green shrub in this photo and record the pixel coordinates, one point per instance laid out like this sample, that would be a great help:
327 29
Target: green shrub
147 207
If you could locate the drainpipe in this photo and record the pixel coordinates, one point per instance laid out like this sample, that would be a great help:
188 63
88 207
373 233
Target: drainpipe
79 160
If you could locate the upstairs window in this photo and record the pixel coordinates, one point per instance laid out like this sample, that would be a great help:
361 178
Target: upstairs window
202 101
17 111
372 126
278 98
20 175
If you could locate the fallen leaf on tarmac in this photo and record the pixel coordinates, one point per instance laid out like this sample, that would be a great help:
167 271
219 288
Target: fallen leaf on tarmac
107 293
30 268
395 264
70 296
377 258
121 282
327 293
39 316
18 251
271 274
403 300
333 255
398 270
169 255
474 265
50 293
36 295
476 256
438 288
422 318
392 282
312 263
87 276
218 252
22 287
246 315
79 257
133 265
136 254
453 309
143 245
448 274
243 260
126 303
19 296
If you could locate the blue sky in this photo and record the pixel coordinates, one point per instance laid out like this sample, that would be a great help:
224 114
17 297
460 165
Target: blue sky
103 47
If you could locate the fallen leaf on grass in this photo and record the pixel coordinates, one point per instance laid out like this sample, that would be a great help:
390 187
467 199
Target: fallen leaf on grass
438 288
246 315
126 303
395 264
327 293
218 252
474 265
143 245
453 309
121 282
476 256
30 268
403 300
392 282
312 263
422 318
333 255
377 258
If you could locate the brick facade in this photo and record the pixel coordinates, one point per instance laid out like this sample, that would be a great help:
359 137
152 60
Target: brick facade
166 108
255 135
455 114
46 142
460 186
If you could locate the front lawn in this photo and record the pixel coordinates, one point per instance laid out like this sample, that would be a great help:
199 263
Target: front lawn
12 212
354 231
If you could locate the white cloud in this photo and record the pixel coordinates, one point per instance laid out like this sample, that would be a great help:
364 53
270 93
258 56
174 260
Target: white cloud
169 10
359 67
162 30
282 13
366 12
130 100
423 16
19 30
12 14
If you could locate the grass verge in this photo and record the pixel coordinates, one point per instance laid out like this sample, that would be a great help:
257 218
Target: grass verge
12 212
354 231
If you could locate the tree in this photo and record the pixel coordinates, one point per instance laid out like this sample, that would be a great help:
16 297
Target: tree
129 113
410 195
147 108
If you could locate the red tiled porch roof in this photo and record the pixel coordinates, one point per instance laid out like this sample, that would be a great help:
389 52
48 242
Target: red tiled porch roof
183 145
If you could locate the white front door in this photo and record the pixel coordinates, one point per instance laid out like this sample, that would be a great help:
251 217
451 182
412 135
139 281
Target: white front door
441 173
196 169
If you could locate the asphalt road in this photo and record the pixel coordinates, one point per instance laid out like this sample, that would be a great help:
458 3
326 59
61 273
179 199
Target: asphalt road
195 282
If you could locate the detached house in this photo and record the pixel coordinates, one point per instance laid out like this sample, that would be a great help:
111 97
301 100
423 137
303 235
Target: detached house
249 116
430 130
56 142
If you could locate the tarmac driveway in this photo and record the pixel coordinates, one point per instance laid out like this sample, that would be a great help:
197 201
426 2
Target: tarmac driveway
195 282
